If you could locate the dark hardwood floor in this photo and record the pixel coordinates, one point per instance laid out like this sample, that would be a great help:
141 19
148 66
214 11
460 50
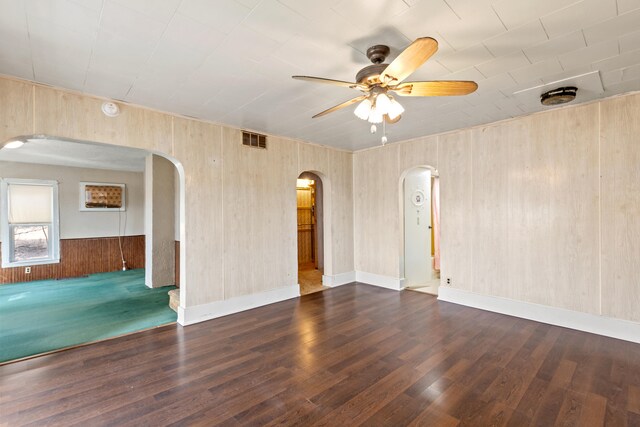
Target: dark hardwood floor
347 356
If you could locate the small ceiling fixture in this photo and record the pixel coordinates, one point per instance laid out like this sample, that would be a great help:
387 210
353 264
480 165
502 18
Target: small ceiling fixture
14 144
110 109
562 95
379 81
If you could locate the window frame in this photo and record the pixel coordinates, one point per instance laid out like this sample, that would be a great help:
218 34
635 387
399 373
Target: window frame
5 227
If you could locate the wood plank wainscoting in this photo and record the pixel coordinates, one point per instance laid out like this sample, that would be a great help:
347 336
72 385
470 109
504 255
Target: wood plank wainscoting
79 257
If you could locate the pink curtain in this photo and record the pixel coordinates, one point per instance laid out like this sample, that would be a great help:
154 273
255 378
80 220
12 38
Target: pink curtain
435 208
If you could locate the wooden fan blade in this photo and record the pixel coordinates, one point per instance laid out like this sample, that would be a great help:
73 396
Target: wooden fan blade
409 60
339 106
330 82
390 120
436 88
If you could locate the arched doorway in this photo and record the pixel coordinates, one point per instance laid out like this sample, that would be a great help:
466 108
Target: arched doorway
310 232
108 248
421 220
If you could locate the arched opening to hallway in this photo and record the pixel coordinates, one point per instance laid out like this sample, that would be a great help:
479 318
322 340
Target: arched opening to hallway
421 229
90 243
310 232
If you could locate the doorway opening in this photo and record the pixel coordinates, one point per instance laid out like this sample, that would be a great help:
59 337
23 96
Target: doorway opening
421 216
310 214
101 257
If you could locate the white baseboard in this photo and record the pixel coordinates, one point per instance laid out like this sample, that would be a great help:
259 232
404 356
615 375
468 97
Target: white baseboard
339 279
387 282
212 310
601 325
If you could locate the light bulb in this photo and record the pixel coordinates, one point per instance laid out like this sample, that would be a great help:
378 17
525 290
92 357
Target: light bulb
375 116
395 109
362 111
373 128
383 103
14 144
384 139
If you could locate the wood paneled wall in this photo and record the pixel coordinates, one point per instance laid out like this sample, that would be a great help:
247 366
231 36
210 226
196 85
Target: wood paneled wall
260 216
376 181
79 257
228 250
337 199
620 225
454 166
544 245
544 208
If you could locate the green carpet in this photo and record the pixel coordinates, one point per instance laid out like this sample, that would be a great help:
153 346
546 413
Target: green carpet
36 317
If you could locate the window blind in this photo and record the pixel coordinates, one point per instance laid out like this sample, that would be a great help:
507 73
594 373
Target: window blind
30 203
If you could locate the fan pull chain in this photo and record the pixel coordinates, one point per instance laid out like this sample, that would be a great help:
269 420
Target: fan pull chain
384 132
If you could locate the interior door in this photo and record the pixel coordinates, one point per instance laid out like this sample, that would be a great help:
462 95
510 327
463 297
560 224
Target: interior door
417 227
306 226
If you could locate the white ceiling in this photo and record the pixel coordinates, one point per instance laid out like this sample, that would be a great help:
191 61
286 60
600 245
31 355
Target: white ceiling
230 61
76 154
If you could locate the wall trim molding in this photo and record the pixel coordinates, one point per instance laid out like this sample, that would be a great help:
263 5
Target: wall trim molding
213 310
339 279
387 282
586 322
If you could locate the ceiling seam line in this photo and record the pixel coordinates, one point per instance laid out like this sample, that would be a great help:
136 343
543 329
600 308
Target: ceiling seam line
499 18
33 67
93 47
450 8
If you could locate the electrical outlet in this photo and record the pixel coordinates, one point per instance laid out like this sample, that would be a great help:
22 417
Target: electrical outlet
27 270
448 280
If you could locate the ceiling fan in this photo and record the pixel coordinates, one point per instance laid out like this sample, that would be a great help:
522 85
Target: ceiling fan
379 81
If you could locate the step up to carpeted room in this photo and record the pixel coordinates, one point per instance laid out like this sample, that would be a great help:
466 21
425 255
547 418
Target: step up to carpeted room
47 315
89 243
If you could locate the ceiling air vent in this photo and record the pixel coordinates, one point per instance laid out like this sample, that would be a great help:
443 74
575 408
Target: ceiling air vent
559 96
254 139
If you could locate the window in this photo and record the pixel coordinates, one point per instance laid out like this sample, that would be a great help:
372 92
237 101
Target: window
29 222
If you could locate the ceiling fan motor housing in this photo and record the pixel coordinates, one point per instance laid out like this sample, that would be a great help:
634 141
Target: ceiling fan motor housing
378 53
562 95
369 75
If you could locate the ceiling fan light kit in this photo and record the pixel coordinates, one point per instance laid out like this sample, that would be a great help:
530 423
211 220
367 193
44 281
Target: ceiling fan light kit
375 116
383 103
383 107
395 110
363 109
378 81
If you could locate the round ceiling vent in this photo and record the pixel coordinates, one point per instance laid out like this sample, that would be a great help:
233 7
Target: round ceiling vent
562 95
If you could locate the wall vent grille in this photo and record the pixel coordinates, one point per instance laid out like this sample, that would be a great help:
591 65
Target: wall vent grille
254 140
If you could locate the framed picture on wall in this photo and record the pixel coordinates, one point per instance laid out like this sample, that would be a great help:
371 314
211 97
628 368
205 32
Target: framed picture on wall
101 196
